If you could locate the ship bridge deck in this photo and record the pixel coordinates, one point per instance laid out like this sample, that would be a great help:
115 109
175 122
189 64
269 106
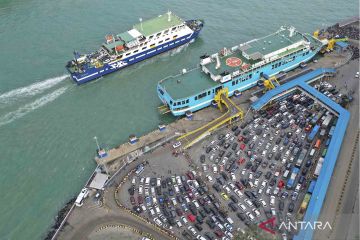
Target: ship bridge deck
188 84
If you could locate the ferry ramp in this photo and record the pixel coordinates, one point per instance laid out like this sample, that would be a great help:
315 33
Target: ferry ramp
232 111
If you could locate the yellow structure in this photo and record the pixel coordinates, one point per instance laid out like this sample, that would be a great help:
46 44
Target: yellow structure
269 83
316 34
217 98
331 43
232 111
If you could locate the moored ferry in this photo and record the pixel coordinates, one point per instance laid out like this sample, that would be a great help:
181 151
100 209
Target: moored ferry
146 39
238 68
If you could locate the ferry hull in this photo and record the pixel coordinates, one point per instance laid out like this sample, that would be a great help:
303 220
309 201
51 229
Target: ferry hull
94 73
194 106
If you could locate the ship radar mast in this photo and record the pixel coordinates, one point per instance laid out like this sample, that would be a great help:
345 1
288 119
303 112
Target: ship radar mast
169 16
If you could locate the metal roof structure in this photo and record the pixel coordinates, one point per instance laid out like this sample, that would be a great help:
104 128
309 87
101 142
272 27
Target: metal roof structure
322 183
158 24
99 181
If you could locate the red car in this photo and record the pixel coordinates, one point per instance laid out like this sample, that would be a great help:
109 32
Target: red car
281 184
241 138
242 146
219 233
190 175
191 218
221 167
241 160
307 128
140 199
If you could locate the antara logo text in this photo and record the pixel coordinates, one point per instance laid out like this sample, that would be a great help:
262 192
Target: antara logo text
298 225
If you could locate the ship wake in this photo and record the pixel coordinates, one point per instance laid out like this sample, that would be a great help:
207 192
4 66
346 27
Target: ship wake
30 90
29 107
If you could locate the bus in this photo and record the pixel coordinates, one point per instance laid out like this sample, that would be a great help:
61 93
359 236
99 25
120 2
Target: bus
327 121
318 143
301 158
324 152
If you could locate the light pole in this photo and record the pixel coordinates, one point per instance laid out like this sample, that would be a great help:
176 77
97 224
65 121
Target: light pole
97 143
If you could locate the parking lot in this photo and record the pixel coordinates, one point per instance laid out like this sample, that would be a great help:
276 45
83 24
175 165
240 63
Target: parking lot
242 175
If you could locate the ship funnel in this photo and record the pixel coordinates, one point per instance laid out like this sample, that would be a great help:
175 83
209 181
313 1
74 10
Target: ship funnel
218 64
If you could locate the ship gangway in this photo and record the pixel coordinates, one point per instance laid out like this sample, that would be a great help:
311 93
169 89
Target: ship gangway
224 103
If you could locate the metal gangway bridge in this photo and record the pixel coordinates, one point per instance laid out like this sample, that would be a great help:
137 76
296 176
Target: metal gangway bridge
224 103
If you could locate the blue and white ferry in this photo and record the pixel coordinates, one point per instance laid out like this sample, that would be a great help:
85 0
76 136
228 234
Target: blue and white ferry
146 39
238 68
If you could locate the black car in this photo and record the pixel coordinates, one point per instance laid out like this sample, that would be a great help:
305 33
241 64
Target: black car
221 153
228 155
221 136
208 149
234 128
304 171
234 146
249 194
268 175
210 223
226 178
234 199
258 174
237 132
202 158
278 141
291 207
272 181
233 206
217 187
199 219
209 236
281 205
241 216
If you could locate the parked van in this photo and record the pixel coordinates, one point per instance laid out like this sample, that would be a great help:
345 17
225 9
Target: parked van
286 174
312 152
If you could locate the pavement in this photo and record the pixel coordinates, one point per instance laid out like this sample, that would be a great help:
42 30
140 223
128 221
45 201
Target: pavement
344 215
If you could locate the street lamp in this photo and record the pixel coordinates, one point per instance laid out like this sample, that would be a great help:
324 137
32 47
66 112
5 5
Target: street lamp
97 143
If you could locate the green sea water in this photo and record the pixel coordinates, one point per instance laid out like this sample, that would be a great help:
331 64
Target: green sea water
47 123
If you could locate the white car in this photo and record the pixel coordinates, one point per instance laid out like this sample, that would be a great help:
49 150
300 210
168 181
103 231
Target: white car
263 184
238 193
256 182
185 221
260 191
158 222
192 230
298 187
233 177
209 178
257 212
243 172
251 176
250 216
215 168
276 191
140 189
227 189
273 212
242 206
176 145
268 191
263 202
231 185
178 223
272 201
248 202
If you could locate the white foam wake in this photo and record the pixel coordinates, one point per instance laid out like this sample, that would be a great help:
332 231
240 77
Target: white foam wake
27 108
30 90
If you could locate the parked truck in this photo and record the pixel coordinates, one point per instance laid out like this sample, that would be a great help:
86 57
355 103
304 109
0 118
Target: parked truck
318 167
